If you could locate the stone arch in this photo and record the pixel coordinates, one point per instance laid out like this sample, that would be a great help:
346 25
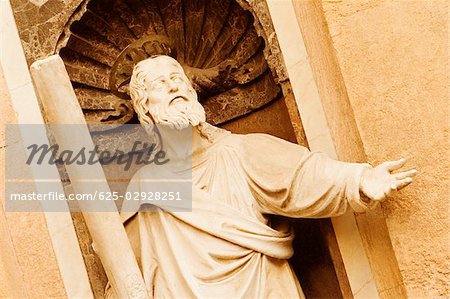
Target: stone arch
223 45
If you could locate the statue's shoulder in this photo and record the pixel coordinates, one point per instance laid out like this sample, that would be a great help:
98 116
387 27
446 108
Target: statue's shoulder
248 141
213 133
259 142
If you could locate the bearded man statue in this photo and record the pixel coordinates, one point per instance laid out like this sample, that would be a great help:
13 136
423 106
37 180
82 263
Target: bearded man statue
227 246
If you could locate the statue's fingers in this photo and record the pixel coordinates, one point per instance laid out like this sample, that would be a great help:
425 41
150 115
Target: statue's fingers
405 174
394 187
379 197
394 165
403 183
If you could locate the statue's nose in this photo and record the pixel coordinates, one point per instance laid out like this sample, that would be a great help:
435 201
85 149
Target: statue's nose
173 87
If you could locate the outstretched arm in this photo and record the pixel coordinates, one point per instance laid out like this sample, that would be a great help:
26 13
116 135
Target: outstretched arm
378 182
287 179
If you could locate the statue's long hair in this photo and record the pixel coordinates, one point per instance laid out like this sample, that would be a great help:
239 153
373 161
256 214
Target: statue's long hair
138 93
139 98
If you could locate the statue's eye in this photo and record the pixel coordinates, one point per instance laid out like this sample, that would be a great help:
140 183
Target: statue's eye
177 79
158 85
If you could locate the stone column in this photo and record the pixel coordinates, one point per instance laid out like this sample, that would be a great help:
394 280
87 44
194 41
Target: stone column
108 233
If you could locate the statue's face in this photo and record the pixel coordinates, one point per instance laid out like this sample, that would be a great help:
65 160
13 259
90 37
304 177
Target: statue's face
170 97
166 83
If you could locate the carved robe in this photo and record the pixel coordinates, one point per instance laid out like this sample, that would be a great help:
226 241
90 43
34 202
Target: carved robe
227 247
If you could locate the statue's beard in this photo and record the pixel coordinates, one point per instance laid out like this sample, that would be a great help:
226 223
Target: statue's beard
179 115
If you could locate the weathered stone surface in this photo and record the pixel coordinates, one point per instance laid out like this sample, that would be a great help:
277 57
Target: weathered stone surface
394 60
85 71
103 107
96 273
230 36
240 100
264 28
40 26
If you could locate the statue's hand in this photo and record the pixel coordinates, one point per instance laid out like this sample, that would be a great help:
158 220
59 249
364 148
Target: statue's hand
379 182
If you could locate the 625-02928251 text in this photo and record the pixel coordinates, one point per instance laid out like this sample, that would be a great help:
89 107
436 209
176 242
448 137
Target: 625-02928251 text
143 196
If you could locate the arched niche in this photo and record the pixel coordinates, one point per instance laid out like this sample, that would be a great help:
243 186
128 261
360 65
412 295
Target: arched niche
221 45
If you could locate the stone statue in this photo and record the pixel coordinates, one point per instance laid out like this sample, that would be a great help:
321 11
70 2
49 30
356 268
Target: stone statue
228 247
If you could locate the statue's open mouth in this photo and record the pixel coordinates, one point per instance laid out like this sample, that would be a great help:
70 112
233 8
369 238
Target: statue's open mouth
177 99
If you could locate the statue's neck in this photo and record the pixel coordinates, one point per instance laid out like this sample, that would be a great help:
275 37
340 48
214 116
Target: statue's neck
182 144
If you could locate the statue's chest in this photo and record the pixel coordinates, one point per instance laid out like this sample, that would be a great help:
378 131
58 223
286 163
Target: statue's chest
222 176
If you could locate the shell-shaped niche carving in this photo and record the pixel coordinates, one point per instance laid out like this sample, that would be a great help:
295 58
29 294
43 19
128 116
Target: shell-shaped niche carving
214 40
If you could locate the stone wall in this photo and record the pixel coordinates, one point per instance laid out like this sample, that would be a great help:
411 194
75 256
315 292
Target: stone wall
393 56
28 266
